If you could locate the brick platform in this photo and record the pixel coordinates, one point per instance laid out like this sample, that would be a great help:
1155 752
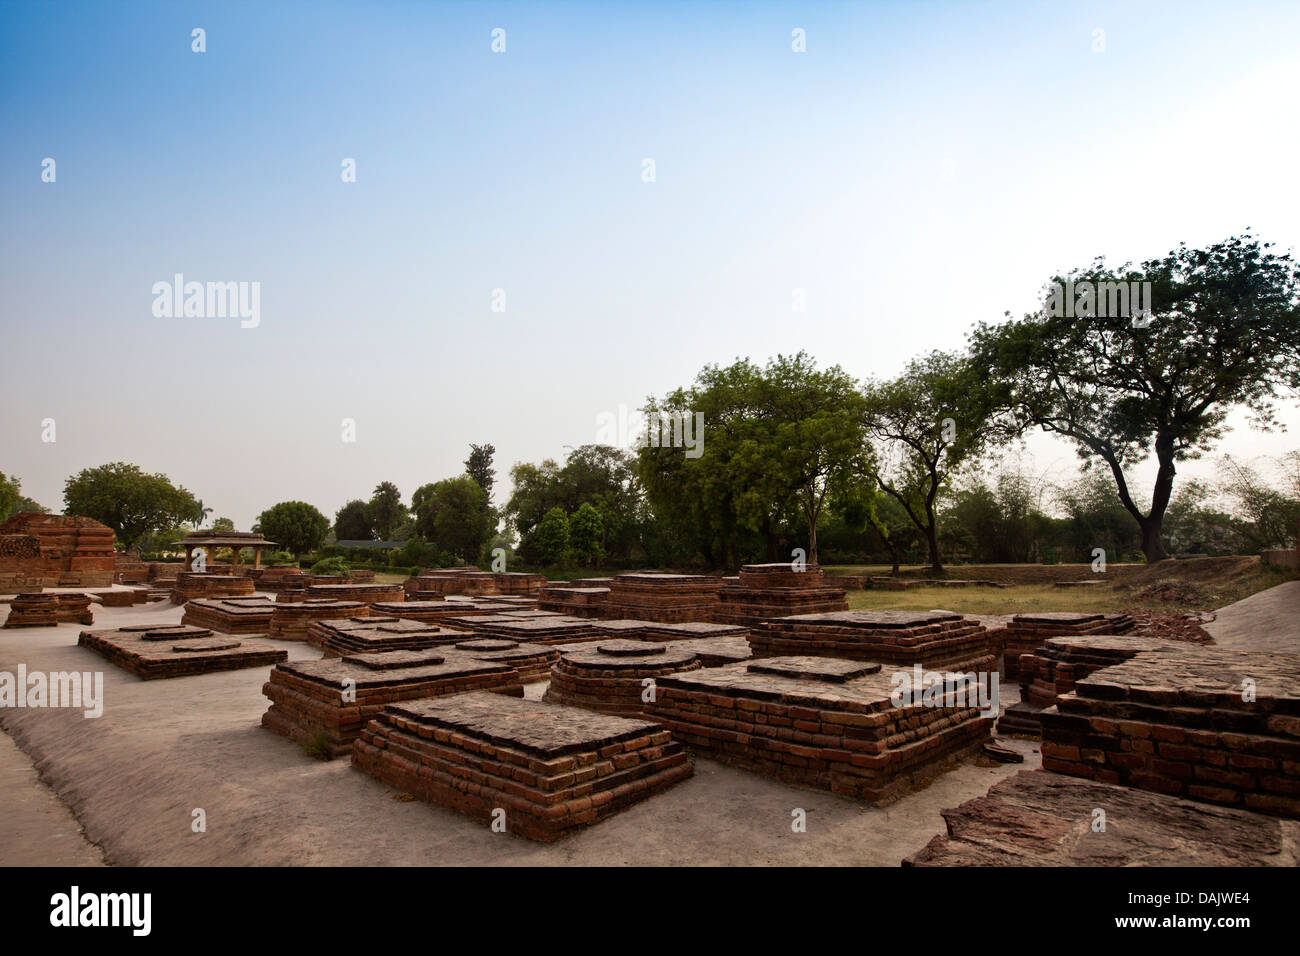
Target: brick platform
1054 667
446 581
192 585
33 610
365 593
665 598
606 676
764 591
1025 633
311 698
518 582
693 630
717 651
1174 721
549 768
817 722
1036 818
246 615
75 609
575 601
291 621
937 640
533 628
532 661
278 578
152 652
428 611
340 637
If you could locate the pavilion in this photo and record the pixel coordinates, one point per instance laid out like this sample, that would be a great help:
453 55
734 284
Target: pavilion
236 541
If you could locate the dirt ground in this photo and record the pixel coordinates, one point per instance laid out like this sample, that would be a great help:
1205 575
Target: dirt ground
162 749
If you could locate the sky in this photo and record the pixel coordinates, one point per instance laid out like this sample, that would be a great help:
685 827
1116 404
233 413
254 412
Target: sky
504 269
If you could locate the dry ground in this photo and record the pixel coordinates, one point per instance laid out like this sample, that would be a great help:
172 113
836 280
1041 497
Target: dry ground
164 748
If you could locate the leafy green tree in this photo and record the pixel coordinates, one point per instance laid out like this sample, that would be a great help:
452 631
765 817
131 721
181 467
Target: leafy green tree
223 524
926 423
479 467
294 525
352 522
453 515
1222 333
553 537
129 501
586 529
386 510
10 492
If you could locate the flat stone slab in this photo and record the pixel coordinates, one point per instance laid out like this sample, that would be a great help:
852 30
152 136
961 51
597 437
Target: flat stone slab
535 727
829 669
486 644
1038 818
882 620
395 660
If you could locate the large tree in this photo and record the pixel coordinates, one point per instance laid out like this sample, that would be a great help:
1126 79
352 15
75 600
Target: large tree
129 501
352 522
386 511
1222 333
479 467
295 526
453 514
926 423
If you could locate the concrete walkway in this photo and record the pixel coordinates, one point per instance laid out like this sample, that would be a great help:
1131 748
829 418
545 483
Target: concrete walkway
1266 621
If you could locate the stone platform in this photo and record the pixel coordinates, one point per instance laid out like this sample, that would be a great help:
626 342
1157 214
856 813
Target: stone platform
531 627
290 621
936 640
1038 818
365 593
1174 721
33 610
341 637
446 581
152 652
817 722
548 768
608 676
246 615
333 699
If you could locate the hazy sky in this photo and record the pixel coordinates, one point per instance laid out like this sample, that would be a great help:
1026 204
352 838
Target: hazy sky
922 166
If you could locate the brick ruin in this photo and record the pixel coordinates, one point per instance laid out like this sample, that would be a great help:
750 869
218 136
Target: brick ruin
365 593
574 601
336 697
191 585
33 610
608 676
129 569
818 722
291 621
1038 818
151 652
532 661
936 640
665 598
40 550
1025 633
549 768
445 581
240 615
343 637
529 627
1053 669
1175 721
764 591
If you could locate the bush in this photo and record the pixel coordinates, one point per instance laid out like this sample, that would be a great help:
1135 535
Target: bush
331 566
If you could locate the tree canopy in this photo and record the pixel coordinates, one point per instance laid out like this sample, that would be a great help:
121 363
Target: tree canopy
295 526
129 501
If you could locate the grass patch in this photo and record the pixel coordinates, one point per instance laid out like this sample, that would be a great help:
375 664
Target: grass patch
317 745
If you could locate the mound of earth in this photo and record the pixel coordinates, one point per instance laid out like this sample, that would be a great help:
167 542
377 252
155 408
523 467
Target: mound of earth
1218 571
1172 625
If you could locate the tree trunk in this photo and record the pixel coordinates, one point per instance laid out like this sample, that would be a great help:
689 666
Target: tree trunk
812 542
1151 544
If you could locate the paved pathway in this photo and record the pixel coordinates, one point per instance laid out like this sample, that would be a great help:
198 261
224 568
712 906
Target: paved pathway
1266 621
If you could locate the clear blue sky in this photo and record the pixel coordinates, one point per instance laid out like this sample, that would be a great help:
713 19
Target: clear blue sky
921 167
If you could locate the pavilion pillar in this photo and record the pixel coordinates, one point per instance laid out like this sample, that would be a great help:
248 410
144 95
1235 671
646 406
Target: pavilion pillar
189 557
257 557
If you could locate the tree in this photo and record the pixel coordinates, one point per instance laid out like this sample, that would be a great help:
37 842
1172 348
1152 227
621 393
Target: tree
10 492
453 515
223 524
295 526
1223 332
553 537
479 467
926 423
386 510
586 529
129 501
352 522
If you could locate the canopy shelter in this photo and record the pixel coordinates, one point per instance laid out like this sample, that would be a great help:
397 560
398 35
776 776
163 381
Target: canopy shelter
236 541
